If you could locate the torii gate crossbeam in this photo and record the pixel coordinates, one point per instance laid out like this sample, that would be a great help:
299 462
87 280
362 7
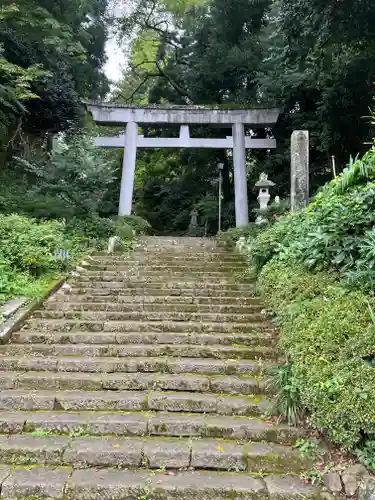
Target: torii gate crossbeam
132 117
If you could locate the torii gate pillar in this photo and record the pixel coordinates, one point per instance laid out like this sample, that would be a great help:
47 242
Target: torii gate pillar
240 181
128 169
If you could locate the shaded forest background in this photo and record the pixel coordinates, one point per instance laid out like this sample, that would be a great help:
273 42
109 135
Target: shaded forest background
312 58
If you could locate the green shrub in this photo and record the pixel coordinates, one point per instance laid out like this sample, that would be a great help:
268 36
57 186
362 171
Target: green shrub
333 232
362 273
327 336
27 254
75 172
28 245
274 240
92 230
273 211
229 238
140 225
315 270
358 172
124 230
367 454
28 257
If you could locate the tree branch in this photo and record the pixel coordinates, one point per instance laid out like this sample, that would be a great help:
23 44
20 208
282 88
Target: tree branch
151 11
177 88
130 98
136 66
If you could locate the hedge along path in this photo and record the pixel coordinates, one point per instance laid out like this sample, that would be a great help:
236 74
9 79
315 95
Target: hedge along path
146 382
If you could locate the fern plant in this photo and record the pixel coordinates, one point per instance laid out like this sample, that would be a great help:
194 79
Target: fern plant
358 170
363 273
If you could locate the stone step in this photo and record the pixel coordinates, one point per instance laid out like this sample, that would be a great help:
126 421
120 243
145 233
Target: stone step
153 363
118 290
130 365
165 284
165 267
174 402
189 252
165 243
91 484
70 379
131 350
118 423
148 452
149 275
195 258
174 338
144 315
158 267
69 325
162 301
235 309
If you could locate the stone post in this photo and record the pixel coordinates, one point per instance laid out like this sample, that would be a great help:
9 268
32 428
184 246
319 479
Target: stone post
240 181
128 169
299 196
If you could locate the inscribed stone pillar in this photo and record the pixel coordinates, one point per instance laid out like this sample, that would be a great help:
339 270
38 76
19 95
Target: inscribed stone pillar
299 196
240 181
128 169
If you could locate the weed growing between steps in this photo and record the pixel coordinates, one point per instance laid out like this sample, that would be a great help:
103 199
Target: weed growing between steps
316 271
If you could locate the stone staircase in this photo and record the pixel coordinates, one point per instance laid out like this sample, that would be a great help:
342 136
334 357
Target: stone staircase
146 382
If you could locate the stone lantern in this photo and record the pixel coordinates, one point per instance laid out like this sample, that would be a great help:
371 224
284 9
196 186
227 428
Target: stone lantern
264 185
193 226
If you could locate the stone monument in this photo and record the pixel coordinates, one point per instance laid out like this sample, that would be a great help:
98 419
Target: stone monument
299 194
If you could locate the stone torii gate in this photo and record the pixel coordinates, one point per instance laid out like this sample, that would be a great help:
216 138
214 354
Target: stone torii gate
133 117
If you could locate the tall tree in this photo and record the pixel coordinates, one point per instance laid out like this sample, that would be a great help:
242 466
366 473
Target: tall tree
319 68
206 53
66 40
313 59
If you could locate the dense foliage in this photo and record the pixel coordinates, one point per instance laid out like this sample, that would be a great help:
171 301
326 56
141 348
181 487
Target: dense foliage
307 264
334 232
61 200
327 334
51 56
316 64
315 61
137 224
27 254
33 253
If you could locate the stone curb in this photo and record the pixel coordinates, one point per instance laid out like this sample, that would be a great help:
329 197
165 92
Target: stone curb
15 322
